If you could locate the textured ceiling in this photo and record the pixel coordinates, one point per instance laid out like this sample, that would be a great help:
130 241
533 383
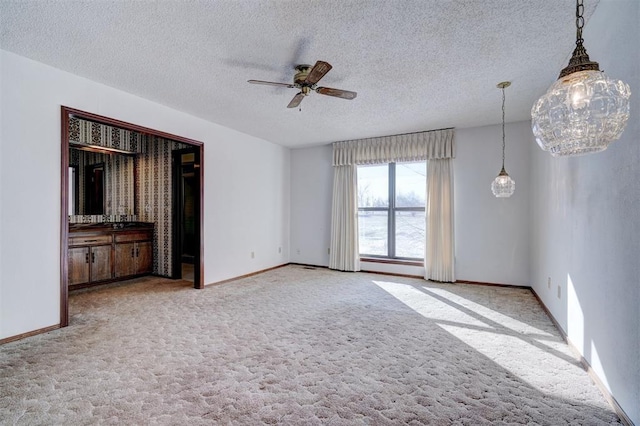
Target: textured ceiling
416 64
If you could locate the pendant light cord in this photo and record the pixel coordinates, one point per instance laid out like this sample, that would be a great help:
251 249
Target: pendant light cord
503 144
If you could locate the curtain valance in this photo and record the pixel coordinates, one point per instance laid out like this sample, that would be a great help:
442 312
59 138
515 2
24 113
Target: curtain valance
435 144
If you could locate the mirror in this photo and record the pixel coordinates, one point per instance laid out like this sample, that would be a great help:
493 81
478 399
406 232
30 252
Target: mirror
101 183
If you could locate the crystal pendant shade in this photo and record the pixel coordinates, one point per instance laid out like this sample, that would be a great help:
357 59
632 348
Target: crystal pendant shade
503 186
581 113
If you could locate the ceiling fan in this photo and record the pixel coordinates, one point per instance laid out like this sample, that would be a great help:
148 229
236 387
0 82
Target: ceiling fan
305 79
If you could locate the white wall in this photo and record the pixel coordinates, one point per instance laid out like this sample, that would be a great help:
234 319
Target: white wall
586 224
246 187
491 234
311 189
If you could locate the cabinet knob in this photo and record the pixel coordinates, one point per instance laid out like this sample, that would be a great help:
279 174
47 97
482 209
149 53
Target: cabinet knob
93 257
86 257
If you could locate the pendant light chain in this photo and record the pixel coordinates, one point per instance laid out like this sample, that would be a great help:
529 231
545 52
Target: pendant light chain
503 143
503 186
579 21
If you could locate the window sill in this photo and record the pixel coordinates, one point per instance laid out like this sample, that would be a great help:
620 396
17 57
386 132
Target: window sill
392 261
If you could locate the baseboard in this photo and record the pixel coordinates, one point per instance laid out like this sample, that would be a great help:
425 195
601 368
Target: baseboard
246 275
29 334
308 265
491 284
393 274
585 364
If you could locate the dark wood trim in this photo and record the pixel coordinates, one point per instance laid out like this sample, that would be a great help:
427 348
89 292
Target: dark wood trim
66 112
585 364
392 261
128 126
491 284
176 217
64 218
29 334
199 260
248 275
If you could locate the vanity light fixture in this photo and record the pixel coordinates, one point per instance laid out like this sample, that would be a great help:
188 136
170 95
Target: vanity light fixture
100 149
584 110
503 186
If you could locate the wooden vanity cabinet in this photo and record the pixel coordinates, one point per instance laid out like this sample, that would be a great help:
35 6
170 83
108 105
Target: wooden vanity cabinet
107 254
90 258
133 253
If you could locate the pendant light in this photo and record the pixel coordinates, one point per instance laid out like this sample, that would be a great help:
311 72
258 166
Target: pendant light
503 186
584 111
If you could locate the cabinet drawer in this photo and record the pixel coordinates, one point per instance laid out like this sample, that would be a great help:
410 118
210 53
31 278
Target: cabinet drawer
122 237
89 240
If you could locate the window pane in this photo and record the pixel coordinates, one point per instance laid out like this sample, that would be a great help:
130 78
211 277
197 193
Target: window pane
373 232
411 184
373 186
410 234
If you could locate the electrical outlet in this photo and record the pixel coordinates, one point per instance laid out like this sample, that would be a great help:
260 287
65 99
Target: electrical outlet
297 251
549 282
559 292
279 249
328 251
253 255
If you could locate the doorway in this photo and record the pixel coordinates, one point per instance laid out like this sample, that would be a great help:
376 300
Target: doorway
185 168
67 182
94 178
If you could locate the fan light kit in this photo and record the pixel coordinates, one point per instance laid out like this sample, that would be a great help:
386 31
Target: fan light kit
503 186
584 111
305 79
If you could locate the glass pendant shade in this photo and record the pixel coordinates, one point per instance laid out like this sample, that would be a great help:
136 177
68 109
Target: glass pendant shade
503 186
584 111
581 113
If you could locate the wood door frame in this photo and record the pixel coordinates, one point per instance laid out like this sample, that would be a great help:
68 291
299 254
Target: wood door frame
66 113
177 217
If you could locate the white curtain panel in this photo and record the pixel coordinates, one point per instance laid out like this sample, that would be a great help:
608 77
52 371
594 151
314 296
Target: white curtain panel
435 145
344 253
440 253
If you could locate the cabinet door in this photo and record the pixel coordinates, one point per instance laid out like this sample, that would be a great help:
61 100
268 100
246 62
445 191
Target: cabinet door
144 257
78 265
125 262
100 263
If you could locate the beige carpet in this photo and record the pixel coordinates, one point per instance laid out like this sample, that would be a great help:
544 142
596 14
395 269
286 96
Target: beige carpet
302 347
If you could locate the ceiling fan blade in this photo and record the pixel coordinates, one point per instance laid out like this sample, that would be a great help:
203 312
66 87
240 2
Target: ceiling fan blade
271 83
338 93
317 72
296 100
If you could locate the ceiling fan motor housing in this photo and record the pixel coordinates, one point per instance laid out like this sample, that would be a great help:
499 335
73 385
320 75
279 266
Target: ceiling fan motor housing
302 73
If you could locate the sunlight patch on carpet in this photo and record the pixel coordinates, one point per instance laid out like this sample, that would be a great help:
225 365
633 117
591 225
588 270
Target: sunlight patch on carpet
490 332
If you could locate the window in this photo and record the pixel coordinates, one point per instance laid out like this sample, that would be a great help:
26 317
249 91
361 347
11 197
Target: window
391 206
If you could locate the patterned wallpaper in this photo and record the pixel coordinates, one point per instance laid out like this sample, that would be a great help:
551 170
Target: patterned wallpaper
119 185
90 133
154 189
153 184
